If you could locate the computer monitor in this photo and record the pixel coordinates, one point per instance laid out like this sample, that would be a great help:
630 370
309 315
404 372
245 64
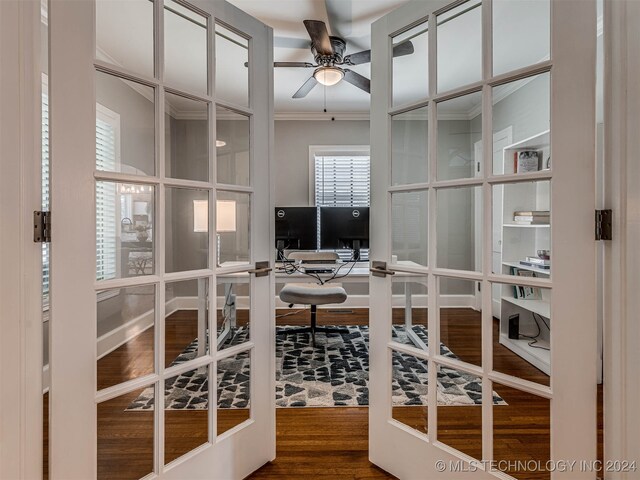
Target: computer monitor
344 227
296 229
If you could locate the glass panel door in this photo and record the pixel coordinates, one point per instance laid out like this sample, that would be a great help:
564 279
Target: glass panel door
486 219
176 214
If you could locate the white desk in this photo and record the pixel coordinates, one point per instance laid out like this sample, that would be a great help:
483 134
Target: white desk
358 274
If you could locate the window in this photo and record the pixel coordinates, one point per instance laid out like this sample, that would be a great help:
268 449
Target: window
107 157
341 178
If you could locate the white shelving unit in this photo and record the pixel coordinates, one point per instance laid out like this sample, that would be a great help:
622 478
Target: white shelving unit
512 243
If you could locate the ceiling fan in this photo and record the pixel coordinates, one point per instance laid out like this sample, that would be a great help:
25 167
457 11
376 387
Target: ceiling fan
328 52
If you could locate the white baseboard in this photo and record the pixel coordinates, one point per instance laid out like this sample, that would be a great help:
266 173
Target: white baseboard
117 337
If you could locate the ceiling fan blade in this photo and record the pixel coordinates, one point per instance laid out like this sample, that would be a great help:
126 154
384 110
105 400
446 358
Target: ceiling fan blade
306 88
319 36
357 80
358 58
402 49
294 64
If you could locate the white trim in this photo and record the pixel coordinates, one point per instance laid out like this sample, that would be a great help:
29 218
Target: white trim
117 337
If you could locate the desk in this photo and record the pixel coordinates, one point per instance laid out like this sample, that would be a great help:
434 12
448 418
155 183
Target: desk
359 274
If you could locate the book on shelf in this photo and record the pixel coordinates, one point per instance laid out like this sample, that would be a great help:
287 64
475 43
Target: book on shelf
536 265
527 161
532 217
538 260
520 291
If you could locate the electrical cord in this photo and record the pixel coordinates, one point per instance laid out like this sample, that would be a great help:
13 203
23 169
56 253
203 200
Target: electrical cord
534 339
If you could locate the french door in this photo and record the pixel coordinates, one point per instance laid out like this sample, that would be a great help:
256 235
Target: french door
513 393
162 326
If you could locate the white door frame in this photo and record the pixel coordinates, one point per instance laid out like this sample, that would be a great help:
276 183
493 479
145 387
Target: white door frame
399 449
20 257
622 254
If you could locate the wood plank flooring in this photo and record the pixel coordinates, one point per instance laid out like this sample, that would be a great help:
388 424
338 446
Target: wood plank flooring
321 443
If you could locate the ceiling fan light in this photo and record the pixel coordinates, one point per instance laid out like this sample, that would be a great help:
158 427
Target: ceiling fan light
328 75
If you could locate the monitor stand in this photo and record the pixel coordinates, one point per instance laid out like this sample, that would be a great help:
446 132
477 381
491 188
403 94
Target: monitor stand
356 250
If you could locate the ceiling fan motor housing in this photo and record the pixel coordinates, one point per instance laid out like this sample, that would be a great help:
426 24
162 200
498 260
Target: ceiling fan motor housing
339 46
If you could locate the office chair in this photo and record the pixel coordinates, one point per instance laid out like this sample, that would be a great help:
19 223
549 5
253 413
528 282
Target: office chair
313 294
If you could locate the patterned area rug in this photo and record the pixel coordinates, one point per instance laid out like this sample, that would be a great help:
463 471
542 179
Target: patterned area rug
334 373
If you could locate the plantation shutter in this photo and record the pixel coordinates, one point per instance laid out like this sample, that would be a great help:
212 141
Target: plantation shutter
45 194
342 181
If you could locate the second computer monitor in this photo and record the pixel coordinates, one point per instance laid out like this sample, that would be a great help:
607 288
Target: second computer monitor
296 228
344 227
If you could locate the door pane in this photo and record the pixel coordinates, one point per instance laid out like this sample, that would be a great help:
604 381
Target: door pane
186 233
232 67
460 137
121 24
522 434
124 230
521 33
233 300
409 152
186 412
233 144
409 311
522 228
125 125
186 321
459 228
409 389
523 106
125 436
522 333
409 212
232 212
460 410
410 73
234 396
185 48
125 334
460 320
460 46
186 138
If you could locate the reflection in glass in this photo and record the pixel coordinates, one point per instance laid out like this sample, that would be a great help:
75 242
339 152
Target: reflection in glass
186 244
118 309
521 33
125 126
410 73
186 138
124 230
232 70
233 307
234 396
459 227
185 48
409 390
186 412
521 109
522 433
121 24
460 137
232 221
409 325
126 456
460 410
460 327
186 329
459 34
409 152
232 147
409 212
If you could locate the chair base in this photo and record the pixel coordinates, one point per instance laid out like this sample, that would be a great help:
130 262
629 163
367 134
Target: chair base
313 328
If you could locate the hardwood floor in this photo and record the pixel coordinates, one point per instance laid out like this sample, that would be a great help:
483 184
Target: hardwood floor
321 443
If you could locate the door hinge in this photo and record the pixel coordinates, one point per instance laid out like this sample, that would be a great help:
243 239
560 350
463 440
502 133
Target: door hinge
604 229
41 227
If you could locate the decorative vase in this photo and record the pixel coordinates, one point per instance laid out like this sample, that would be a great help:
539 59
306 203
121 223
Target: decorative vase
142 236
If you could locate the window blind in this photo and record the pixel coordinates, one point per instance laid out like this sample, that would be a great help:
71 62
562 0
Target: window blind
45 193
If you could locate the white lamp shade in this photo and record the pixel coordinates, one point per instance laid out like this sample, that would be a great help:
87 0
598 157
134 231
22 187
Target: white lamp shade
225 216
200 215
328 75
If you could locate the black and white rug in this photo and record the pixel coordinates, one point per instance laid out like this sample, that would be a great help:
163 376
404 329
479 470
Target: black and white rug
334 373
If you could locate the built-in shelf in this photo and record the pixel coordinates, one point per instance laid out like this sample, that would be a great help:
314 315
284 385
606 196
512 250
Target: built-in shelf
544 271
541 307
539 357
526 225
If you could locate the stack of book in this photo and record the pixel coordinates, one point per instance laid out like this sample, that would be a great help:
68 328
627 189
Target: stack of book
536 262
532 217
